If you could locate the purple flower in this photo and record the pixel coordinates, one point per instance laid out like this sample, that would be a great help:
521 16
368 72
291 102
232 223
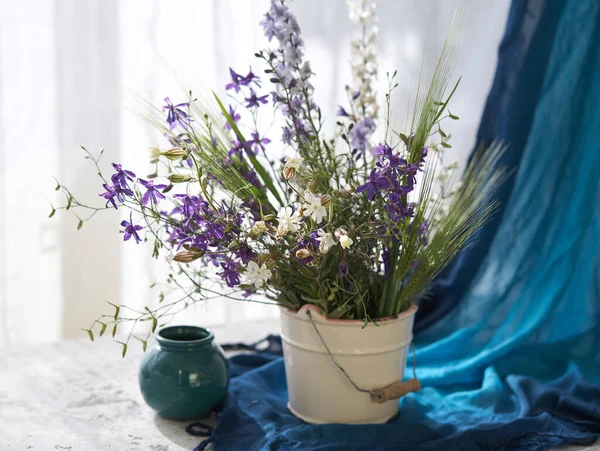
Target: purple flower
290 71
341 112
121 176
360 134
229 274
250 176
343 267
235 81
180 140
152 191
258 143
131 230
245 254
176 116
254 100
385 256
250 78
115 191
287 135
238 146
234 117
396 209
375 184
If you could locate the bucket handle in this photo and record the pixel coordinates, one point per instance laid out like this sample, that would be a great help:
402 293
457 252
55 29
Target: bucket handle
395 390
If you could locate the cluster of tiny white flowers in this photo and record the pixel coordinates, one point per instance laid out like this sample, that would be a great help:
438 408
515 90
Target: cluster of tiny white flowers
363 57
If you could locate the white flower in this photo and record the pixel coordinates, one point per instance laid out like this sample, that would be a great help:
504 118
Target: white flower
342 236
314 207
257 275
326 240
346 241
154 154
294 162
289 221
169 258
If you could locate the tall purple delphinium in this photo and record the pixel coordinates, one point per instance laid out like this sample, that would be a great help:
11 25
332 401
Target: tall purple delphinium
293 91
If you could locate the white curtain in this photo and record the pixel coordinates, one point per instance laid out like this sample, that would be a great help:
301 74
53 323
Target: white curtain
69 72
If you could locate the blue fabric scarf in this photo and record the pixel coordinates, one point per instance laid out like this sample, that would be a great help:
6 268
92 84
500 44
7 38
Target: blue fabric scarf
515 365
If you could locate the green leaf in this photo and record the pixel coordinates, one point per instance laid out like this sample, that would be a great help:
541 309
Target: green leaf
320 302
124 345
117 310
52 212
448 101
102 329
79 224
452 116
90 333
446 145
69 200
154 324
442 134
264 175
144 343
114 331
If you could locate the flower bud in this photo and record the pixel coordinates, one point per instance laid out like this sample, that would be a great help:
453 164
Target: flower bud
325 200
174 154
339 232
289 173
179 178
303 253
342 193
258 229
187 256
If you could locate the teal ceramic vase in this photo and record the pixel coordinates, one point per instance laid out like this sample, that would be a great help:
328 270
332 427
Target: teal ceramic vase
186 375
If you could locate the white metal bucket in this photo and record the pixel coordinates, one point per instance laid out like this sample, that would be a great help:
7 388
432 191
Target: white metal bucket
374 357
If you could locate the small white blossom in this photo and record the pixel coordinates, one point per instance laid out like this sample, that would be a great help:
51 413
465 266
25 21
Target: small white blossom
154 154
326 241
289 221
257 275
346 241
342 236
314 207
294 162
169 258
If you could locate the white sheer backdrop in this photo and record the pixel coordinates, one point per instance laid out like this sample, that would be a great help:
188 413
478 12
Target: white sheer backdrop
68 72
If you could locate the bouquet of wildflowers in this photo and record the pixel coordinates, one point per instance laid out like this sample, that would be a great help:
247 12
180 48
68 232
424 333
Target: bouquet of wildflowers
354 224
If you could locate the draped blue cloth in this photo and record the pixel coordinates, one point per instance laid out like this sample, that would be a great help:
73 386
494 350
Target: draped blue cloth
515 363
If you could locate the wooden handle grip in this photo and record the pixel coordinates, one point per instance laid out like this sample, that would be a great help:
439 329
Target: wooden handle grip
396 390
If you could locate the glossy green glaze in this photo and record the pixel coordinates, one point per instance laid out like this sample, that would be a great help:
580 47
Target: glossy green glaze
185 375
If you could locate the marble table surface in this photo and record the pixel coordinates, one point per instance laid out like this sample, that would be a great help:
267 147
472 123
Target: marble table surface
82 396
